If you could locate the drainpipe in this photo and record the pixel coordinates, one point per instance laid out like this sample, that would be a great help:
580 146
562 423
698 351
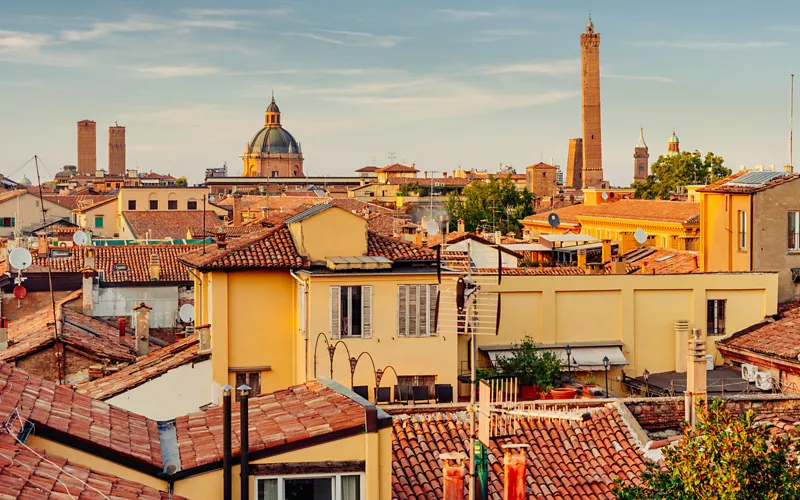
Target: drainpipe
198 306
244 453
304 320
227 452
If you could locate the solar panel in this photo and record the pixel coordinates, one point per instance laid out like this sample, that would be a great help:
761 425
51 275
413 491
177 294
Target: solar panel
755 178
666 257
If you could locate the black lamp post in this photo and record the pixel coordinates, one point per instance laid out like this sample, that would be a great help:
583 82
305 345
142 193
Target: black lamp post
605 365
568 350
646 376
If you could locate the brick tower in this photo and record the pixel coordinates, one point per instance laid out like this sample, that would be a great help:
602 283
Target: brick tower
87 147
641 159
574 178
590 108
116 150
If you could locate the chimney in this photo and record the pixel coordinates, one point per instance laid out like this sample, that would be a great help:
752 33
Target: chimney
3 333
204 336
453 471
121 322
425 174
41 245
696 376
618 265
788 168
236 220
606 254
461 226
498 237
644 268
87 287
582 258
681 338
526 234
155 267
628 243
514 472
221 239
142 313
418 239
88 258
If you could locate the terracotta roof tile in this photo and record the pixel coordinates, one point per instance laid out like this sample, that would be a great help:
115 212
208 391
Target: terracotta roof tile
567 459
291 414
721 186
536 271
649 210
542 166
358 206
267 248
26 475
144 369
74 202
660 261
397 167
779 338
159 225
385 224
230 231
397 250
428 181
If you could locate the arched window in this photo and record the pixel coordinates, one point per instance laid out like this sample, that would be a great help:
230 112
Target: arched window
153 197
172 201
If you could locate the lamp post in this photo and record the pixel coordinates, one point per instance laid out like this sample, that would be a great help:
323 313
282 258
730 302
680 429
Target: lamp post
568 349
646 376
605 365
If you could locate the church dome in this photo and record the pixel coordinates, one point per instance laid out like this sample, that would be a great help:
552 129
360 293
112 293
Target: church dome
273 139
273 108
26 181
674 137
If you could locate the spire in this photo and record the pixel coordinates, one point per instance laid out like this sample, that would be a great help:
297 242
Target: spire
641 143
590 25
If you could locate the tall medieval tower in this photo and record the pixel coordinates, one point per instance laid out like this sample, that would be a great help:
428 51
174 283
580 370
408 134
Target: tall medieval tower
641 159
116 150
87 147
590 108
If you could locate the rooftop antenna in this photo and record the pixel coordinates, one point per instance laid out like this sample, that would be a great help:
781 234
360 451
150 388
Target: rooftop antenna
391 157
791 120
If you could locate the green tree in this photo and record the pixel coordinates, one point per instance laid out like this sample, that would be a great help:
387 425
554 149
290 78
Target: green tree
407 189
670 173
181 182
724 458
493 204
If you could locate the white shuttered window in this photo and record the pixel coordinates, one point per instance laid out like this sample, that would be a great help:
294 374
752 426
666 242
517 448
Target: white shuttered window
416 310
351 312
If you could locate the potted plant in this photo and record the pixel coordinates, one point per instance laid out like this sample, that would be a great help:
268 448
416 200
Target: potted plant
589 382
537 371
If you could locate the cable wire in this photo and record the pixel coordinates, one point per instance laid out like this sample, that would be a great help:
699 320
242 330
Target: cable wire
27 480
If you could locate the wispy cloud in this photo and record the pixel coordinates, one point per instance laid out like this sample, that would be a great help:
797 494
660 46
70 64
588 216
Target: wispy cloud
237 12
176 71
643 78
714 45
132 24
19 40
501 34
551 68
464 15
350 38
373 87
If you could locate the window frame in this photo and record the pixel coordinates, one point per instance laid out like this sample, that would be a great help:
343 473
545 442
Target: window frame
742 232
101 219
335 477
189 205
255 388
131 204
793 233
713 319
172 204
153 204
366 306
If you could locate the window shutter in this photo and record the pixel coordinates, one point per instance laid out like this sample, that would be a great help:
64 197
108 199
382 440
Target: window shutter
433 311
336 323
402 313
710 317
366 311
721 316
424 330
413 308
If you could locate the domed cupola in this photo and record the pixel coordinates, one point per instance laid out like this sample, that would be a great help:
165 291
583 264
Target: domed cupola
273 138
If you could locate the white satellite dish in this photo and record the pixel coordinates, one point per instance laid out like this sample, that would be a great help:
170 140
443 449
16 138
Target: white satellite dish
640 236
79 238
432 227
186 313
553 220
20 259
604 195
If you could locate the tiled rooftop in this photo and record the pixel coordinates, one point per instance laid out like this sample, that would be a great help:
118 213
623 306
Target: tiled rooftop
385 224
144 369
568 459
397 250
428 181
542 166
299 412
397 167
268 248
83 333
730 185
779 338
135 257
354 205
646 210
10 195
160 224
230 231
25 475
74 202
661 261
59 409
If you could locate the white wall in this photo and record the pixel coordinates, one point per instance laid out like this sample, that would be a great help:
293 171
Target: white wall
178 392
120 301
483 256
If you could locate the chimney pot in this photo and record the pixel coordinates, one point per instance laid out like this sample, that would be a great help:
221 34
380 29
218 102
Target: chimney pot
142 313
461 226
121 322
453 471
514 472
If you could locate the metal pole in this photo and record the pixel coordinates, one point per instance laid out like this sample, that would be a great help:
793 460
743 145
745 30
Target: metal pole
791 122
204 224
472 398
244 453
227 452
606 381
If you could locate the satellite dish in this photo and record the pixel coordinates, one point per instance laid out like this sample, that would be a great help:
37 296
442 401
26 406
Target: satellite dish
553 220
640 236
186 313
604 195
20 259
432 227
79 238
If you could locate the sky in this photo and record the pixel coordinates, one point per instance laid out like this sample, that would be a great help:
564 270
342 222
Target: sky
439 84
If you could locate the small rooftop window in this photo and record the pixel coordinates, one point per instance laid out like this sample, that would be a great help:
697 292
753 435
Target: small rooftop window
120 267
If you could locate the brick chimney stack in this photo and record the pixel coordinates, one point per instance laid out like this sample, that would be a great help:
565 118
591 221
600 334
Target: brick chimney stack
453 471
121 322
461 226
606 254
236 220
155 267
142 314
41 245
87 290
696 376
514 472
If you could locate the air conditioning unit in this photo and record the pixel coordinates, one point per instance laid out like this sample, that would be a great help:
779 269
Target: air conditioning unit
709 362
764 381
749 372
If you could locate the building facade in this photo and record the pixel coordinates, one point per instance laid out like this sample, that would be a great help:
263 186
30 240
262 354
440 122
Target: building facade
116 150
641 159
542 180
574 164
590 108
87 147
273 151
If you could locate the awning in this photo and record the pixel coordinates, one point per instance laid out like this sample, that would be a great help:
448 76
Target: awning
583 357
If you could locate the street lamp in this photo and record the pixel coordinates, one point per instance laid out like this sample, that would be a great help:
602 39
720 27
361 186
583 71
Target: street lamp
605 365
568 349
646 375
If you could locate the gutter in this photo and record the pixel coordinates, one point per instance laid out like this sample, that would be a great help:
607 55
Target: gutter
305 319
